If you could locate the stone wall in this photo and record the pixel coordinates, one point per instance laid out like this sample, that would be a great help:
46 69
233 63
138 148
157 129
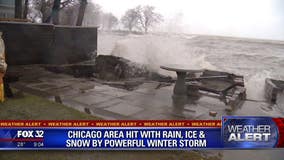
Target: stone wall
28 43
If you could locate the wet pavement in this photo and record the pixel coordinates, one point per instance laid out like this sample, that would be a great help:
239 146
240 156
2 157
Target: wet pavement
145 102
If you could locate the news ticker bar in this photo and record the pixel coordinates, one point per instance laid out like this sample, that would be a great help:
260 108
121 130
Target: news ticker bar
110 123
232 132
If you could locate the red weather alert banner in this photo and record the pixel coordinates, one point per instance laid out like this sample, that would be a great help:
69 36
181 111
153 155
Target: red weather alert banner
110 123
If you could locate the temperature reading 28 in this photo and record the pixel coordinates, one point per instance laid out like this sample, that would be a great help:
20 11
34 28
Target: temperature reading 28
20 144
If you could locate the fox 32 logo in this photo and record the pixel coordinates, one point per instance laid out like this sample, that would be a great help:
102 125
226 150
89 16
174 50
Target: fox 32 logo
249 132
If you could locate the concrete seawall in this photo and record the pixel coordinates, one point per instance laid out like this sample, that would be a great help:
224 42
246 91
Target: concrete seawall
28 43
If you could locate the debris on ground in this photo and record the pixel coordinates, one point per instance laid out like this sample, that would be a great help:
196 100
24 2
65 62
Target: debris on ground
212 113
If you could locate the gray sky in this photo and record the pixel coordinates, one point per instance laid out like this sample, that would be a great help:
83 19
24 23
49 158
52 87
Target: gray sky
245 18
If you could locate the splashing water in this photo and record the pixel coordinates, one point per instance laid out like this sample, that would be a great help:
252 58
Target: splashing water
154 51
255 60
255 85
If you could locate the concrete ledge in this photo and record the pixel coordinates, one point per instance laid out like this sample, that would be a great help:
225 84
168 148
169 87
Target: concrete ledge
273 90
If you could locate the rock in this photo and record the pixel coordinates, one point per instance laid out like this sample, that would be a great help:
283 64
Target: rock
58 99
228 109
105 67
87 110
212 113
117 68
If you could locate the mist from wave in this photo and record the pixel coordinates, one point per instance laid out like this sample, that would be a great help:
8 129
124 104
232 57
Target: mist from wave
255 60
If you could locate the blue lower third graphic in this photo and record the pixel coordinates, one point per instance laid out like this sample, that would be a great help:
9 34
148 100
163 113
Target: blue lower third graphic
249 132
112 138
